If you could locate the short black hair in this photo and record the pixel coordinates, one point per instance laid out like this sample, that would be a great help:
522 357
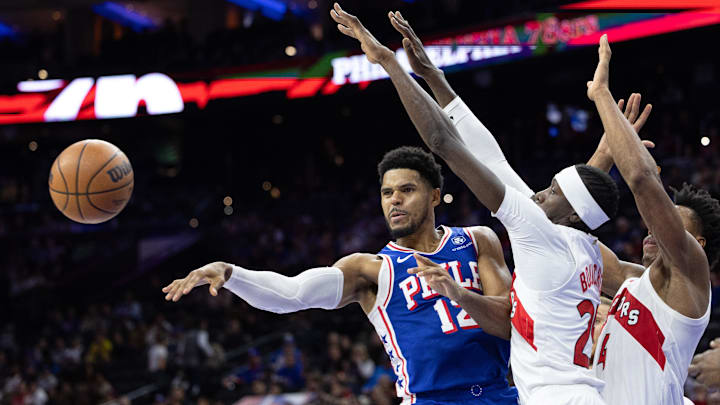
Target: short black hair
707 211
602 188
414 158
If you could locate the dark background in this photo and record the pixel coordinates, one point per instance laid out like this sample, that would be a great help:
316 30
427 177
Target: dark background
82 306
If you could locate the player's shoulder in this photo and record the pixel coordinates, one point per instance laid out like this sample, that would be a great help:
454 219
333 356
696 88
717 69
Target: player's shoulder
484 236
360 261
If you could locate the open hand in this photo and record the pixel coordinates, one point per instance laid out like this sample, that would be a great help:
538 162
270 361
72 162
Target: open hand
351 26
213 274
437 278
636 119
601 80
418 58
705 367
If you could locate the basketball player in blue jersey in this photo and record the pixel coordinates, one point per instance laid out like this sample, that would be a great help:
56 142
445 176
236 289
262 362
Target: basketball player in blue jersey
558 272
438 352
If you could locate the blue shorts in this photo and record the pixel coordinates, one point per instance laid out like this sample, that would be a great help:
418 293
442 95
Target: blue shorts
499 394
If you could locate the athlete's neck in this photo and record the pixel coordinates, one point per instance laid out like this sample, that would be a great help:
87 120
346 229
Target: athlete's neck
426 239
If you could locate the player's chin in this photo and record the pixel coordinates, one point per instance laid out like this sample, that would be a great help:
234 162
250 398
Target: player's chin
400 231
650 253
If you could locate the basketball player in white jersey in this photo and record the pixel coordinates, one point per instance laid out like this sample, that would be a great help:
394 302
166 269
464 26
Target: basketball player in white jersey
556 286
696 204
660 309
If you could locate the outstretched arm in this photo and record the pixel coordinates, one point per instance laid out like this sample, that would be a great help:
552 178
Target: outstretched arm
435 128
478 139
680 250
602 158
323 287
534 238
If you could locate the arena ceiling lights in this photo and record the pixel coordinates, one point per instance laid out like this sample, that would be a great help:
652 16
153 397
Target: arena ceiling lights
579 24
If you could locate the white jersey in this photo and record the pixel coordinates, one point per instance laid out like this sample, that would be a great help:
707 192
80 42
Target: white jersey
555 295
645 347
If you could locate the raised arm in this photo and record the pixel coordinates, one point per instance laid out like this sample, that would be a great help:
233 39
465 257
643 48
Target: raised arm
478 139
323 287
530 230
680 250
433 125
602 158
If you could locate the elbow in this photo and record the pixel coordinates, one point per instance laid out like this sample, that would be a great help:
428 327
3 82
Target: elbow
437 142
441 142
641 178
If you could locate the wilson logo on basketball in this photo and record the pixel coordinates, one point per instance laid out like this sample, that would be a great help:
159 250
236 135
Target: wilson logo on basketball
118 172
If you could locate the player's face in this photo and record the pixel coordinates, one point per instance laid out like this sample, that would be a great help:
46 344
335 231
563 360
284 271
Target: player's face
407 201
650 246
553 202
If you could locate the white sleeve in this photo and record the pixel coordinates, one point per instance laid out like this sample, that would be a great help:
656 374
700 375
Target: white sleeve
315 288
540 251
483 146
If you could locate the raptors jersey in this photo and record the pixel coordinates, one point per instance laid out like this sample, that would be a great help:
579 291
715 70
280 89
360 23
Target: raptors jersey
434 346
552 330
645 347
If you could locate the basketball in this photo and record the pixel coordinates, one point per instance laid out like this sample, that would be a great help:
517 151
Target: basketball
91 181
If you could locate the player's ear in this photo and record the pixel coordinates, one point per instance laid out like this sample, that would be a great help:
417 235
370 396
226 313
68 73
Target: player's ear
435 197
701 240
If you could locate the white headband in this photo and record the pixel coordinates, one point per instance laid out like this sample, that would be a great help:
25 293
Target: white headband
579 198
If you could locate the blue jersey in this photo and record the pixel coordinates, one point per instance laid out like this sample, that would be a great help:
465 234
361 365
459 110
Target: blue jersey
433 344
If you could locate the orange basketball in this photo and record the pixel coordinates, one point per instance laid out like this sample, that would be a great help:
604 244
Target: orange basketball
91 181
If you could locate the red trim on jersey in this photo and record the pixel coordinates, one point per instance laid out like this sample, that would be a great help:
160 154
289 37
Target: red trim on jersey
644 329
469 233
521 320
393 246
397 352
391 273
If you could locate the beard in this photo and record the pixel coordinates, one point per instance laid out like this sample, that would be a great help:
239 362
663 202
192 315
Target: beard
406 230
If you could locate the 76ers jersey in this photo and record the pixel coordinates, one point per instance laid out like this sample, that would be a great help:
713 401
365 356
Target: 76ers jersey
645 347
433 344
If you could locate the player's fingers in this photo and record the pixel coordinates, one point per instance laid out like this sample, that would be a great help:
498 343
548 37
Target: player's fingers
350 19
648 144
589 84
635 110
698 358
628 107
336 17
215 285
414 270
347 31
190 282
643 118
693 370
168 287
401 18
434 270
621 103
422 260
715 343
398 27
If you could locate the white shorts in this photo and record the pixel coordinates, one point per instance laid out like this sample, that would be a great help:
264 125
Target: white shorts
565 395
